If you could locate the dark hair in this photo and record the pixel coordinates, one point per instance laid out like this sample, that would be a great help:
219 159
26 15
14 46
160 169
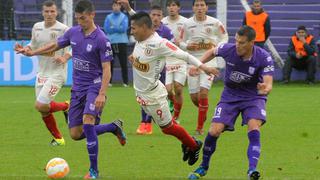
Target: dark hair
169 2
194 1
247 31
301 27
84 6
49 3
256 2
155 7
141 18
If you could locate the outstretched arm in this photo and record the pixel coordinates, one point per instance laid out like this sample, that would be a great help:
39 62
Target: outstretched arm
208 55
106 75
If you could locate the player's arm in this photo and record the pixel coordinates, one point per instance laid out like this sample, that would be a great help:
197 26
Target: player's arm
127 7
171 49
208 55
48 48
106 75
64 58
265 87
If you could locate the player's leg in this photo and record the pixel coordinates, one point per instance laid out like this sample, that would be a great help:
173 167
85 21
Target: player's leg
254 115
162 116
205 86
169 87
45 94
92 145
194 88
179 81
224 118
123 62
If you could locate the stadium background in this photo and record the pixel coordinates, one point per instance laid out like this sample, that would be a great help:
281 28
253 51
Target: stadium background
18 17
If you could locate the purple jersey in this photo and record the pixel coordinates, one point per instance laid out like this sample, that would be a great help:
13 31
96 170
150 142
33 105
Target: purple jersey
165 32
88 54
241 77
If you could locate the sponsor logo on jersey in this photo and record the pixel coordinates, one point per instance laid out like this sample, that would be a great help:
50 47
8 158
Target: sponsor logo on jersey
171 46
269 68
80 65
89 47
140 66
239 77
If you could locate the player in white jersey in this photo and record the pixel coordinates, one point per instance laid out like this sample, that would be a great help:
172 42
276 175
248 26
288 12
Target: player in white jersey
148 58
200 33
176 69
51 74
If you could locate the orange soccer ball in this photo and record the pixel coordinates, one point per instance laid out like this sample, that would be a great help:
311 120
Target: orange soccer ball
57 168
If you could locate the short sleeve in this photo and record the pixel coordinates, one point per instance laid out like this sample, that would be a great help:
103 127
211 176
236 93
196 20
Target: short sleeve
64 40
222 50
105 50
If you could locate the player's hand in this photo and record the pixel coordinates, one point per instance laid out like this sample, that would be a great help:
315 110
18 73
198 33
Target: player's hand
193 46
20 49
125 4
60 60
210 70
100 101
131 58
177 41
298 56
263 88
28 52
194 71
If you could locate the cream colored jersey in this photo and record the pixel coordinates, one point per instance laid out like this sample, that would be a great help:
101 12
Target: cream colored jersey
42 36
149 58
175 27
206 34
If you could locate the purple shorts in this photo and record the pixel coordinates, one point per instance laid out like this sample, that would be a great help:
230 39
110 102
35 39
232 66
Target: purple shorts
227 113
83 103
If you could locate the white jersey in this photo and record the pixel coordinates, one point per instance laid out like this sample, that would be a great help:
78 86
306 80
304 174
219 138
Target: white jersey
149 59
175 27
42 36
206 34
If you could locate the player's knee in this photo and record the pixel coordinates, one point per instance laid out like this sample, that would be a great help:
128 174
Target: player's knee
42 108
76 135
214 133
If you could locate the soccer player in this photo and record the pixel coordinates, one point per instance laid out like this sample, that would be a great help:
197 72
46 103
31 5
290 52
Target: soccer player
176 69
200 33
247 82
156 15
51 76
91 56
148 59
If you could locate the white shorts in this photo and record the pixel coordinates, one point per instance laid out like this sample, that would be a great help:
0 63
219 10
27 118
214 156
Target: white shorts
177 73
202 80
47 88
155 103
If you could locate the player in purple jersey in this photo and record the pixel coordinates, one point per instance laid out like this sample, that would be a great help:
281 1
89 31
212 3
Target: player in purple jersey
247 82
91 57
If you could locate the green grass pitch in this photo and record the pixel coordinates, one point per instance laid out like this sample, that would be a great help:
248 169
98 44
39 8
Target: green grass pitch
290 139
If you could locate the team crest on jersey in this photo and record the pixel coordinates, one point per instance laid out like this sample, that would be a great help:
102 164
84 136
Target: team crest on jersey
89 47
53 35
148 51
208 30
251 70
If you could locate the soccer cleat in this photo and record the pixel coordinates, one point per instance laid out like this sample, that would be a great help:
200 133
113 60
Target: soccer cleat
148 128
185 152
199 132
57 142
253 175
194 155
119 132
66 112
92 174
141 129
198 173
